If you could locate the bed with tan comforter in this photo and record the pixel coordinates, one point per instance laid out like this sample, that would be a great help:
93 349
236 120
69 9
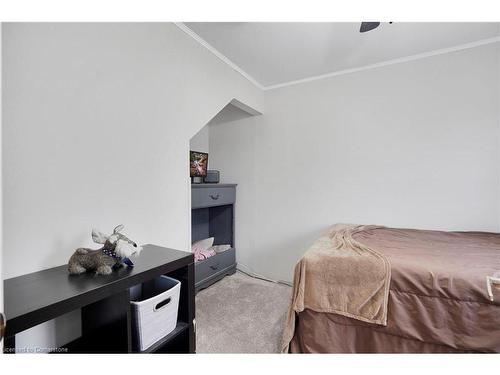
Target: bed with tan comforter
372 289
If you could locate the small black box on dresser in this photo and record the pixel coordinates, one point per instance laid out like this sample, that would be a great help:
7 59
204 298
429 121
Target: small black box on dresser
212 177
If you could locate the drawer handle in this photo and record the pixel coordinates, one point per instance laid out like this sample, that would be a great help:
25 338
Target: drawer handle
214 197
214 267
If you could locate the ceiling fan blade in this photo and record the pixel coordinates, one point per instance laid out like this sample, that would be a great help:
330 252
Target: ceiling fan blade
367 26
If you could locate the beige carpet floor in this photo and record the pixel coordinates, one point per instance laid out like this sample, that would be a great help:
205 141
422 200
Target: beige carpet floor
241 314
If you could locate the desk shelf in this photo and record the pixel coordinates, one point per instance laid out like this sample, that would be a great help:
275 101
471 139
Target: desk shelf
104 302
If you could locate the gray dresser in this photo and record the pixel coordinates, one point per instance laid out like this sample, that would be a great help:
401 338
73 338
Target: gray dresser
212 215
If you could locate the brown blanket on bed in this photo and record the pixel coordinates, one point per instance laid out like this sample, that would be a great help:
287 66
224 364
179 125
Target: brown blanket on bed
438 299
342 276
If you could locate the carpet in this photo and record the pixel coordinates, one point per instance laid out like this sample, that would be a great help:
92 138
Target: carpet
241 314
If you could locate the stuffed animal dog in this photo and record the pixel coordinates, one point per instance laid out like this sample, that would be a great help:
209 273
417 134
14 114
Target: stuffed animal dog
116 251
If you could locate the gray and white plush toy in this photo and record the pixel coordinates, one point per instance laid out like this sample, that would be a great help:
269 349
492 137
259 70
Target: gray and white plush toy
116 251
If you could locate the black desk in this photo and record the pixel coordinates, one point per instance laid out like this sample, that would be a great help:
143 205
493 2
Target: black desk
104 301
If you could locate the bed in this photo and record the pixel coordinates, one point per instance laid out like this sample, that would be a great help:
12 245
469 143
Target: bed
421 292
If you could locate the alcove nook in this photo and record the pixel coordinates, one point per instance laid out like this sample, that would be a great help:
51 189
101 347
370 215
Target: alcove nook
213 213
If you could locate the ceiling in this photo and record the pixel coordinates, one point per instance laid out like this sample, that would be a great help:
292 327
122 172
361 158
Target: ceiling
276 53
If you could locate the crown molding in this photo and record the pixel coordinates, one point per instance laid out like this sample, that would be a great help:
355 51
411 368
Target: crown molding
399 60
224 59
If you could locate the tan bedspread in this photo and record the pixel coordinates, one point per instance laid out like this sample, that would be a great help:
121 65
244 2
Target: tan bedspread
437 300
340 275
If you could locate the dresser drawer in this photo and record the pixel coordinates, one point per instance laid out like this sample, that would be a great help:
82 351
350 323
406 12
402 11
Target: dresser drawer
204 269
212 196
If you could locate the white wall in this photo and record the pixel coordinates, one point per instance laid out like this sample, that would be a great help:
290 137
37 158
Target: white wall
231 112
409 145
97 122
1 247
96 126
200 141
